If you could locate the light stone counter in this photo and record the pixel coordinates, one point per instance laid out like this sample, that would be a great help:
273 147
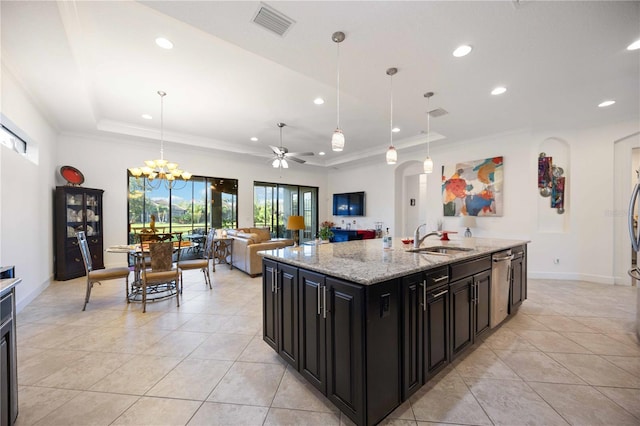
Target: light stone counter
6 284
366 262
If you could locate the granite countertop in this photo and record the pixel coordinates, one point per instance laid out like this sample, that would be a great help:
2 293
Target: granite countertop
6 284
366 262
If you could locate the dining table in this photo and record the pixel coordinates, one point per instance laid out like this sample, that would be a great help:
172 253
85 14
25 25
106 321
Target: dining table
139 253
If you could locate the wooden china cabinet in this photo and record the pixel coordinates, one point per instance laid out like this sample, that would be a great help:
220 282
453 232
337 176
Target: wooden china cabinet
77 209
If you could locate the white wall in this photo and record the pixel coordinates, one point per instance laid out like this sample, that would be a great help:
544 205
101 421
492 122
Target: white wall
584 246
26 195
104 162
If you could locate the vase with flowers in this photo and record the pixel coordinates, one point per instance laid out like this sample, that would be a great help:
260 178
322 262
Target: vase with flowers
325 230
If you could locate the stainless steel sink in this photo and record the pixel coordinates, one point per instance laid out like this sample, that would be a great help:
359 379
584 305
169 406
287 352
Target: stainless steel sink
439 250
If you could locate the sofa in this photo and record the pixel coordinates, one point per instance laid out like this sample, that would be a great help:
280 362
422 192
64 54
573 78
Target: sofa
247 242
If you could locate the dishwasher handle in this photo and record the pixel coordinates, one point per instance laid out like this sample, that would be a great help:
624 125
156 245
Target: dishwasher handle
502 259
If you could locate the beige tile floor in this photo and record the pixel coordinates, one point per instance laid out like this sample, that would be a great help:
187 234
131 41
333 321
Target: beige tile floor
570 356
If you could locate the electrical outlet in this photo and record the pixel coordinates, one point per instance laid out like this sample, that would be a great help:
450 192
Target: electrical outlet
556 260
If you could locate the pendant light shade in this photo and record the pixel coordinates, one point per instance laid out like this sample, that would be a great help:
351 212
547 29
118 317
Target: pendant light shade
428 162
428 165
337 140
392 154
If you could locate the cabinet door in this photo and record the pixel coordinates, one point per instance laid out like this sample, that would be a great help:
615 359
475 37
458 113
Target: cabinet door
269 303
482 287
312 329
413 288
345 354
436 345
287 313
461 294
518 283
4 382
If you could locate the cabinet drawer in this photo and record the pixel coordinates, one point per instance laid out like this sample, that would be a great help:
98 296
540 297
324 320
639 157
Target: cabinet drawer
437 277
6 307
469 267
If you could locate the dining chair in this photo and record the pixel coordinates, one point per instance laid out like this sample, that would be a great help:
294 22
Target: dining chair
160 278
202 264
98 275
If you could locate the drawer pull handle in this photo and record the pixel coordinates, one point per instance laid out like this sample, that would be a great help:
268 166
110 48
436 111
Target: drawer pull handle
440 279
440 294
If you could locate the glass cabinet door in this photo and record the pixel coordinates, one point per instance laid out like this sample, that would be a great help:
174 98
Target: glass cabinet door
75 214
93 215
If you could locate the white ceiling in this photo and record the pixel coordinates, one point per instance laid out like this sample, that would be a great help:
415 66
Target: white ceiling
93 66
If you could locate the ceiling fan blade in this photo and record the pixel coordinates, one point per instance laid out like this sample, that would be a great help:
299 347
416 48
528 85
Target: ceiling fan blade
289 154
296 159
276 150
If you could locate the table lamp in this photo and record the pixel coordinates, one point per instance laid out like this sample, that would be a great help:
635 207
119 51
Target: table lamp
468 222
295 224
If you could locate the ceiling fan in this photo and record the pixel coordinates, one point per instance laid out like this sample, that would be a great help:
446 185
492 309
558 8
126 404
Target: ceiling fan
282 154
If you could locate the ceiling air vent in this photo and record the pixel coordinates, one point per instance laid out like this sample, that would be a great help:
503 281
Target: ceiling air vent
438 112
272 20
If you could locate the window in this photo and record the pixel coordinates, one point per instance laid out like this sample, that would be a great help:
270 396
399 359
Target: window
201 204
273 204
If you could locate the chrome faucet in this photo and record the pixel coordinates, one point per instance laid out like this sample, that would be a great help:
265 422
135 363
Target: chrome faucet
416 237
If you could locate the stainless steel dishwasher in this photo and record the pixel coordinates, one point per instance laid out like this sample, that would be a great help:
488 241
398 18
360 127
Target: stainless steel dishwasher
500 283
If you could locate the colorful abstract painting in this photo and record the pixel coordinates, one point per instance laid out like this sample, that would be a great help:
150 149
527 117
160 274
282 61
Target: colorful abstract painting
473 188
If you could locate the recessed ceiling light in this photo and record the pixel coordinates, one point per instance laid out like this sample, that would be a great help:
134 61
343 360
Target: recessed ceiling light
395 129
321 153
164 43
254 139
606 104
498 90
634 46
147 116
318 101
461 51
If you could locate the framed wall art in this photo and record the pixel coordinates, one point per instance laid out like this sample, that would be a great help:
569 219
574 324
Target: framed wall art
473 188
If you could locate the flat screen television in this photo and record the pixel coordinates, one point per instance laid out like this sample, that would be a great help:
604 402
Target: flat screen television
349 204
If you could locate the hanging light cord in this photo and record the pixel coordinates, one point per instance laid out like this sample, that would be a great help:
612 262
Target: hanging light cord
391 114
162 95
338 87
428 129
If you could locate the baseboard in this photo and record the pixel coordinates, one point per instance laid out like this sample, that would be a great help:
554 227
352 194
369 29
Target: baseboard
571 276
24 301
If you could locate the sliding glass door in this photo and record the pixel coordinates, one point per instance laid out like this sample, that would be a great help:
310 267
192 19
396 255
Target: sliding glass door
273 204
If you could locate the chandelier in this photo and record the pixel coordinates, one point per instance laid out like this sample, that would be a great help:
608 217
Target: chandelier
161 172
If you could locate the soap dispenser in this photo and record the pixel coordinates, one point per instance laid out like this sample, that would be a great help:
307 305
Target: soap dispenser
386 240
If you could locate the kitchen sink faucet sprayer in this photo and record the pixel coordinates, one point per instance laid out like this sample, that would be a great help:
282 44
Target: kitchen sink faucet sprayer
416 237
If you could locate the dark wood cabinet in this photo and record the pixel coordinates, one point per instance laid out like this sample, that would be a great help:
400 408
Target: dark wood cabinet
8 359
77 209
280 309
461 315
482 314
370 347
518 286
425 348
412 334
470 303
436 343
313 360
344 346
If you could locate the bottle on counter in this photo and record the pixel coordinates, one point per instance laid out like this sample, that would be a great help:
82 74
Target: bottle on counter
387 240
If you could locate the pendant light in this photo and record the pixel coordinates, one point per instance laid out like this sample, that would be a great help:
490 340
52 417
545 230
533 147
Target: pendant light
392 154
428 162
337 140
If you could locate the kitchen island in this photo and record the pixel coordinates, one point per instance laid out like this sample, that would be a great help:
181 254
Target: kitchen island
368 327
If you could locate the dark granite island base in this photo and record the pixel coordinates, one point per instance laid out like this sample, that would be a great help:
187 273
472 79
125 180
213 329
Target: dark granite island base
367 326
